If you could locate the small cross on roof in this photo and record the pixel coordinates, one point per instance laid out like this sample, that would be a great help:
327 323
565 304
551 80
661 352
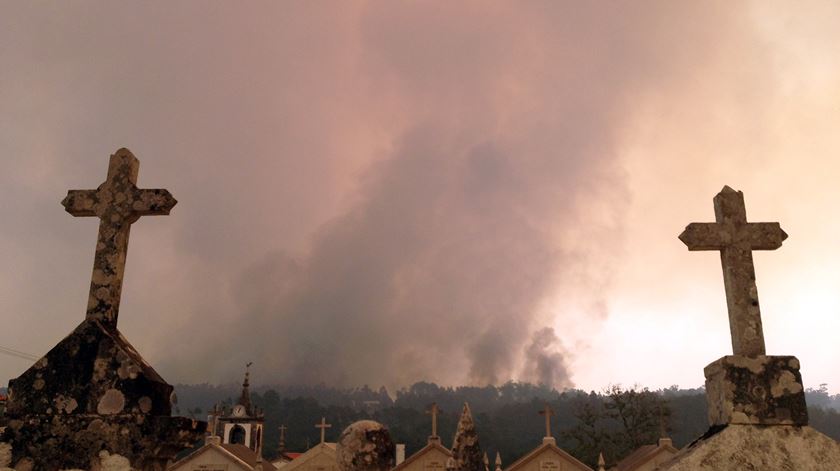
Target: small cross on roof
547 412
323 426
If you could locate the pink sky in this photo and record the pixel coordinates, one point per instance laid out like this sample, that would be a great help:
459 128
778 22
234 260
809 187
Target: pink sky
460 192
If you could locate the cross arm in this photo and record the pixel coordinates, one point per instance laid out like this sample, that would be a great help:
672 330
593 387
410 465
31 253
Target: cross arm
764 235
80 202
153 202
716 236
704 236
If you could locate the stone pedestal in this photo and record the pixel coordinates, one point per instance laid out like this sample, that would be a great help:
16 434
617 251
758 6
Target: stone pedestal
93 393
762 390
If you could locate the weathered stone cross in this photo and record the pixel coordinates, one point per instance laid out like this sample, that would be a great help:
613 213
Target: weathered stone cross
434 411
118 203
547 412
735 238
323 426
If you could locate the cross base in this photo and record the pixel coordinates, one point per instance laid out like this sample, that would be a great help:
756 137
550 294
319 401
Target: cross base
81 441
761 390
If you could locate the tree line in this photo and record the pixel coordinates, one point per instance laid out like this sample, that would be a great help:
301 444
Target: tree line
614 421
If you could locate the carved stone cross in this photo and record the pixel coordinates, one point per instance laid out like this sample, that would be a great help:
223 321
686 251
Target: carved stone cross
323 426
547 412
736 238
434 411
118 203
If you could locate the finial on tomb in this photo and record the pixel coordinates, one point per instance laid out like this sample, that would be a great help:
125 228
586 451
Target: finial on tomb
747 387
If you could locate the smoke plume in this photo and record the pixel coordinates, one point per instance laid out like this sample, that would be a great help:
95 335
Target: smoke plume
379 193
497 185
545 361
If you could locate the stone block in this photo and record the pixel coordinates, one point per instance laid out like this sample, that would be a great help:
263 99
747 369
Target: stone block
761 390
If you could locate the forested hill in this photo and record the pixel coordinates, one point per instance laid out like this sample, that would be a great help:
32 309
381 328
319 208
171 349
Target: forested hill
506 416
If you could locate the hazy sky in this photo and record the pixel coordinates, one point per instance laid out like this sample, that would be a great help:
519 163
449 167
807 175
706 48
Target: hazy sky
460 192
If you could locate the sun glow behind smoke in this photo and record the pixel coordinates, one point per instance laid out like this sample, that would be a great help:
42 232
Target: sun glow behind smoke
778 143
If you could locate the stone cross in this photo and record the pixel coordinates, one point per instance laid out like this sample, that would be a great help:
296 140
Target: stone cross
282 428
434 411
215 416
736 238
547 412
323 426
118 203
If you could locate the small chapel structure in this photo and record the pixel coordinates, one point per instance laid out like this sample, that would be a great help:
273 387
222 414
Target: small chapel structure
548 456
243 423
218 456
239 446
648 457
321 457
433 456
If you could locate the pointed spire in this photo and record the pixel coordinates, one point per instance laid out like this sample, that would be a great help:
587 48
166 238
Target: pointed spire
465 448
498 462
486 462
245 397
601 463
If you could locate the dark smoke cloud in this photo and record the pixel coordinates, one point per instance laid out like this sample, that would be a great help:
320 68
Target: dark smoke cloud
545 363
500 186
435 273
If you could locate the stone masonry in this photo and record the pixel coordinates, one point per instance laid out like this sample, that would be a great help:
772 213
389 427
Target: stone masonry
763 390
